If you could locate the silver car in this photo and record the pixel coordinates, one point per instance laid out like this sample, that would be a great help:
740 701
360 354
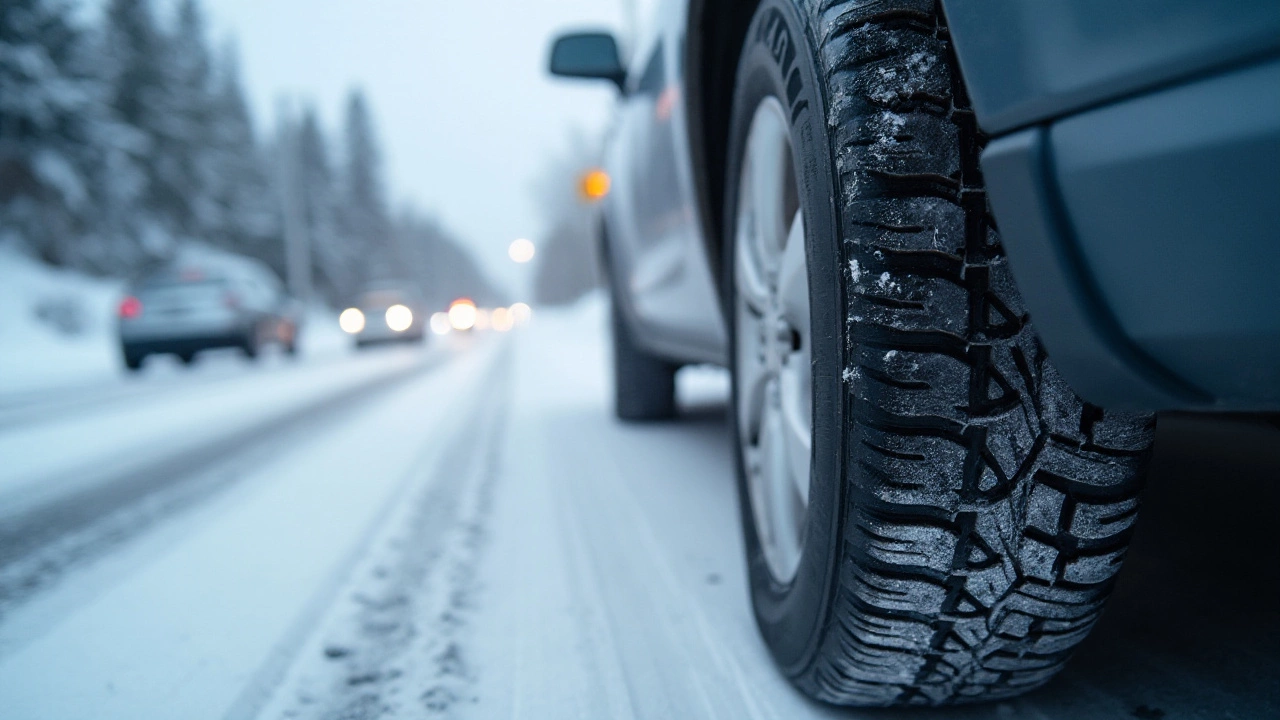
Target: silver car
940 463
193 308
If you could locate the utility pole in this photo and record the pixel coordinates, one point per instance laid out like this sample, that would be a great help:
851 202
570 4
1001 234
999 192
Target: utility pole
297 236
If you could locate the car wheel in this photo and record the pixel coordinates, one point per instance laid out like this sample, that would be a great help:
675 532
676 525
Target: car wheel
250 347
644 385
931 515
133 360
187 357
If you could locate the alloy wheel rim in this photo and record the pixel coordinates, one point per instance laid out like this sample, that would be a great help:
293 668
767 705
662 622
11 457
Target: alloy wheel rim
774 377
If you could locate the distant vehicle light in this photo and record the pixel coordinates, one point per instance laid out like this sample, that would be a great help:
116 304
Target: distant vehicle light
130 308
595 185
500 319
399 318
521 313
351 321
521 250
440 323
462 314
666 103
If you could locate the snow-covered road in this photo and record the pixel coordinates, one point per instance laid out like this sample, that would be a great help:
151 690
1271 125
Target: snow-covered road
465 532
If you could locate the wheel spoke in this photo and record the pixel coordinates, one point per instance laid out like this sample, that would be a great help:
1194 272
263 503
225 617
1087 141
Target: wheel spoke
777 491
752 374
752 279
793 279
767 175
796 400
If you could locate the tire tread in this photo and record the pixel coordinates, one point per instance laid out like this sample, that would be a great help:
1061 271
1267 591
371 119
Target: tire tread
988 507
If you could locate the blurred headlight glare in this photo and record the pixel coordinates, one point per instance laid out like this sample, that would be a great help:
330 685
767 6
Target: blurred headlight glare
351 321
500 319
440 323
521 250
399 318
520 313
462 315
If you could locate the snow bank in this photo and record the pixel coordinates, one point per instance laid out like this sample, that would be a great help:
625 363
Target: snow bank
56 326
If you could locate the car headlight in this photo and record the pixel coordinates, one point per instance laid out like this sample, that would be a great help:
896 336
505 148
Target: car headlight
399 318
462 314
351 320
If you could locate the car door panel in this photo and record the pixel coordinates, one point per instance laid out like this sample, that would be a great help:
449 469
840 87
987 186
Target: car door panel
657 254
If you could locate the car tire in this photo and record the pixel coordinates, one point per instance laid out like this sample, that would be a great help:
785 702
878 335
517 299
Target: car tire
133 360
250 346
966 513
187 357
644 385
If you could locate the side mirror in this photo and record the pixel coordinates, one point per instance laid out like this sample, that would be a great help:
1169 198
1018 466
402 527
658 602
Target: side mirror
588 55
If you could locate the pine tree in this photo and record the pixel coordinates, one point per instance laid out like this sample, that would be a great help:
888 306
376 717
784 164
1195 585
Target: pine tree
188 161
364 209
240 189
57 140
333 263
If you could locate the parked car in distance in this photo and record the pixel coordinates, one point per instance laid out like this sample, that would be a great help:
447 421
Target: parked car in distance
185 309
384 313
956 254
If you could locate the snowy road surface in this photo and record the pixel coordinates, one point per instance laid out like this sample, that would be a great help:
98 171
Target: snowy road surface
463 531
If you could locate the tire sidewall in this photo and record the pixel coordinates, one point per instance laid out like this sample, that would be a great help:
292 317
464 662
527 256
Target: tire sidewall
777 61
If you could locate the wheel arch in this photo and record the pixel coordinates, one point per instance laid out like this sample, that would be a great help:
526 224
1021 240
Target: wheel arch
715 30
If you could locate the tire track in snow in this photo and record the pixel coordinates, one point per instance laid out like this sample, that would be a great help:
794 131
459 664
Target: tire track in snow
395 644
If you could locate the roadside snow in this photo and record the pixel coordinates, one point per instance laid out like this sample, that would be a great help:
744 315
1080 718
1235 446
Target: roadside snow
34 353
58 327
197 626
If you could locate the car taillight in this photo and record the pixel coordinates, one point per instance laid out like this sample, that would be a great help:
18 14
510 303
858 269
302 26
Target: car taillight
130 307
231 300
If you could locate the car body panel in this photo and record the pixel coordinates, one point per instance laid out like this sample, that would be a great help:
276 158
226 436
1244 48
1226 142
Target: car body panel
1156 161
1027 62
1131 173
181 310
1174 200
656 253
184 311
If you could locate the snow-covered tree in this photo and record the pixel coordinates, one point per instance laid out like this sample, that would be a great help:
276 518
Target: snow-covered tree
364 207
246 216
65 167
334 265
134 54
187 152
439 264
568 264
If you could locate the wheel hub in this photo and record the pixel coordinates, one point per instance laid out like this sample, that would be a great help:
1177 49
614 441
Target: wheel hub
773 378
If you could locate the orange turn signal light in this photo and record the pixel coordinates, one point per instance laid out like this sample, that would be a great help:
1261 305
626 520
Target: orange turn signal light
594 185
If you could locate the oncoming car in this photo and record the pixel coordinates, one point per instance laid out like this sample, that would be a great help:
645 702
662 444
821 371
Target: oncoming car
184 310
385 313
955 254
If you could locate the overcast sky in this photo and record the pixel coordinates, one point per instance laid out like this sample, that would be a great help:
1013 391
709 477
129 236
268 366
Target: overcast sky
458 89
